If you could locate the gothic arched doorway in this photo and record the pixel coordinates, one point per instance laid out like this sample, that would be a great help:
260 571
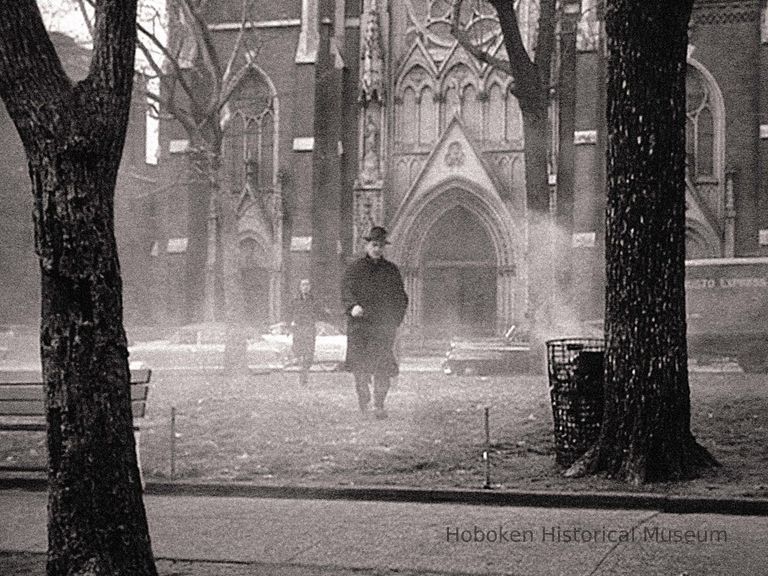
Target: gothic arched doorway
459 274
457 244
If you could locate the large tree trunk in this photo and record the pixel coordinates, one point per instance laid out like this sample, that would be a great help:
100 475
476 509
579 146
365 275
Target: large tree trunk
646 434
73 136
97 523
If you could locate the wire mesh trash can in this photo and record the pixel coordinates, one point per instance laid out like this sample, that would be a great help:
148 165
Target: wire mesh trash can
575 367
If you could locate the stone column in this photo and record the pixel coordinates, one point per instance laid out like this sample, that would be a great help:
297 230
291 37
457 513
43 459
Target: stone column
368 209
729 248
309 37
588 182
762 216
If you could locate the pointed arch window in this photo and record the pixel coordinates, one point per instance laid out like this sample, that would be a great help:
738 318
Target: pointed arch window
427 117
700 126
249 138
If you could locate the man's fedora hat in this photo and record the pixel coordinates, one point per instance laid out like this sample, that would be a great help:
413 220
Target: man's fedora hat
377 234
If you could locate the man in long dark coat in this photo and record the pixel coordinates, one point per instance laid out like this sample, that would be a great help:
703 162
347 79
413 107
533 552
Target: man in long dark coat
375 302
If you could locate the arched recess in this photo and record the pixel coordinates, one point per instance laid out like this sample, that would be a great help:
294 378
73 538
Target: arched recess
458 269
411 233
712 100
252 132
458 77
250 161
706 216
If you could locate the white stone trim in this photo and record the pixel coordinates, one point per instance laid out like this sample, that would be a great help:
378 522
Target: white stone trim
304 144
585 137
763 131
301 243
177 245
762 237
236 26
178 146
309 38
727 261
764 25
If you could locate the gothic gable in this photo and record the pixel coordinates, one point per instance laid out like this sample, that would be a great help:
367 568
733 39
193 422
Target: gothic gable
417 56
454 157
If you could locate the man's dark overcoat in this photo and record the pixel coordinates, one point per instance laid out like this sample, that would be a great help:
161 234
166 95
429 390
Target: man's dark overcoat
377 286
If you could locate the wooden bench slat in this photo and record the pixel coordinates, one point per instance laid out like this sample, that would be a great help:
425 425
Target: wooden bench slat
39 426
24 427
35 392
37 408
31 377
22 396
21 468
21 408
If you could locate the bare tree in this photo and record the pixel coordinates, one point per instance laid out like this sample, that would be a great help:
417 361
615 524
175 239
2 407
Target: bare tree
197 85
196 92
646 433
73 136
531 87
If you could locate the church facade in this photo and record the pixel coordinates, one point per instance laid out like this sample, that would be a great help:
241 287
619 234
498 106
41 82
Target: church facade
363 112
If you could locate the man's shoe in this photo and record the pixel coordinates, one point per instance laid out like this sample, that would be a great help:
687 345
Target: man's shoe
380 413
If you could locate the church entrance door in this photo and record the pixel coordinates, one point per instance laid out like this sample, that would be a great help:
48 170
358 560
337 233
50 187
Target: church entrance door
459 274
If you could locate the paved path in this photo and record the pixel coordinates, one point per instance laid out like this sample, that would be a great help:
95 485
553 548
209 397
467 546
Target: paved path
406 536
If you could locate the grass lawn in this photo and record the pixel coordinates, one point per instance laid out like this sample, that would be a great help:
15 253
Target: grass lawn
268 430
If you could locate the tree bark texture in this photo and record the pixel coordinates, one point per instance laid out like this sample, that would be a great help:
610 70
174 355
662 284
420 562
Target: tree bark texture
646 434
73 135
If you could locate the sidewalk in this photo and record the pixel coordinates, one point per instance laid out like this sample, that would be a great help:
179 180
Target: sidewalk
325 536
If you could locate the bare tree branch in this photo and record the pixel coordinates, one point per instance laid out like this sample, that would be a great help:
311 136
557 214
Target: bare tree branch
238 42
88 23
178 71
531 77
546 40
464 41
184 117
204 41
531 81
231 86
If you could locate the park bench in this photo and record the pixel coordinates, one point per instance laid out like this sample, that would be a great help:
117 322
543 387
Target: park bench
22 408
